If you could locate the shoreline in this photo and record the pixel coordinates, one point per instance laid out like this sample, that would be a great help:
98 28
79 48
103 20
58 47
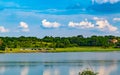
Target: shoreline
70 49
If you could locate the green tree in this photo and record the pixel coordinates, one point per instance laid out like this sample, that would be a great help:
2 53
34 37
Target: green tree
88 72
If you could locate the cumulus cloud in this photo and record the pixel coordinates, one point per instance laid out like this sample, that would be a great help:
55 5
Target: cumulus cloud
116 19
3 29
105 1
24 26
98 23
82 24
48 24
103 24
105 6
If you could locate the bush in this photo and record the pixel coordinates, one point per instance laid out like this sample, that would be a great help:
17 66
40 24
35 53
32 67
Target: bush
2 47
87 72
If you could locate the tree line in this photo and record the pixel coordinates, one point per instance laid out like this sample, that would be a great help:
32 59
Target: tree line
59 42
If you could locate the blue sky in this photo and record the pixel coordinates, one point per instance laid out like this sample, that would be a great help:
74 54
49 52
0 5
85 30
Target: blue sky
59 17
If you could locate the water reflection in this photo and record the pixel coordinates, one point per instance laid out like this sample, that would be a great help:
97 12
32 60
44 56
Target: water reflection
25 71
47 72
59 63
73 71
103 70
102 67
2 69
51 72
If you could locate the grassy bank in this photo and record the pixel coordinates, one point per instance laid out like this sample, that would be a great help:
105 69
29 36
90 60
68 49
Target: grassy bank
84 49
70 49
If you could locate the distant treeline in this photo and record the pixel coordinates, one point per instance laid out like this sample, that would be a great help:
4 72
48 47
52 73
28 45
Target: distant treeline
58 42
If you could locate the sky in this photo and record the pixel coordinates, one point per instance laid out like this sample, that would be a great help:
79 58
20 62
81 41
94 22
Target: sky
63 18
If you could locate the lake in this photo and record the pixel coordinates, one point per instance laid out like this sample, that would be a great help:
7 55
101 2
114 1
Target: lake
71 63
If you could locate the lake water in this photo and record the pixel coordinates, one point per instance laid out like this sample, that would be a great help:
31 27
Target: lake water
105 63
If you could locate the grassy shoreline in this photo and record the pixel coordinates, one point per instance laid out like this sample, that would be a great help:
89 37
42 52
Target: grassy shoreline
70 49
85 49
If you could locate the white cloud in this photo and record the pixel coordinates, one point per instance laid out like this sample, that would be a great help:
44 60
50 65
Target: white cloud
105 1
24 26
100 23
82 24
116 19
103 24
48 24
3 29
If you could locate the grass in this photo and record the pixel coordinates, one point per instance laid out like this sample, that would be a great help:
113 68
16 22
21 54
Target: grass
70 49
84 49
2 51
